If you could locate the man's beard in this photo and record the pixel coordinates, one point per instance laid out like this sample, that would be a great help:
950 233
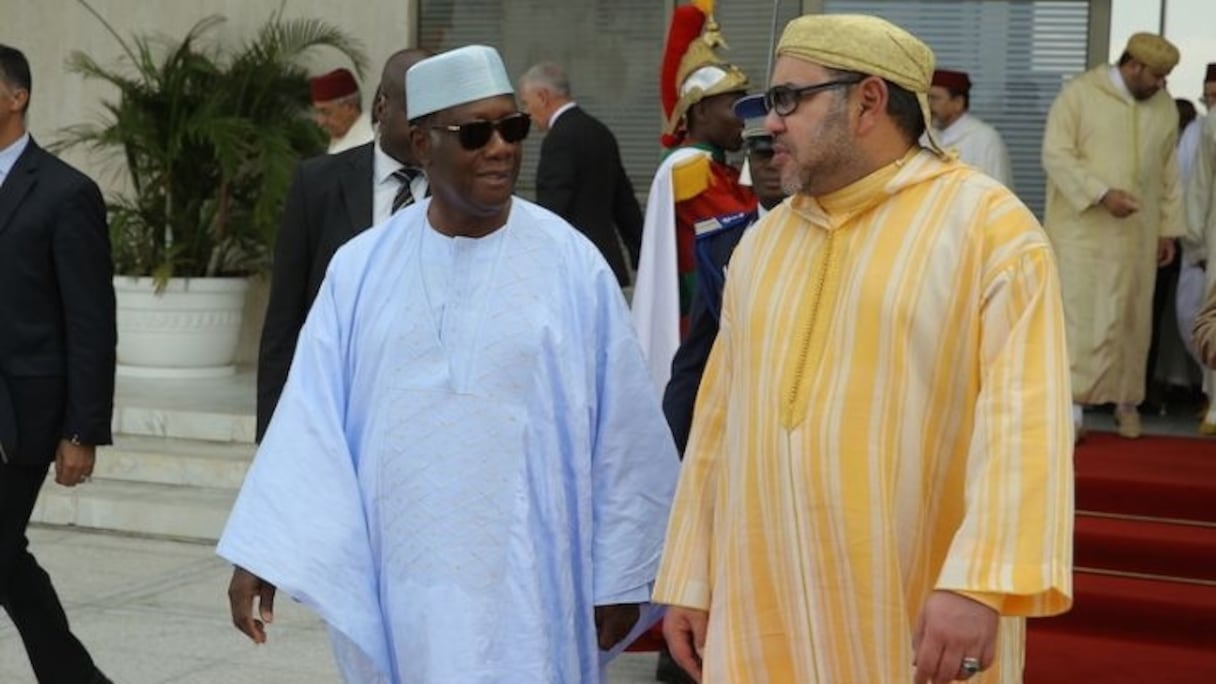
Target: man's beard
832 143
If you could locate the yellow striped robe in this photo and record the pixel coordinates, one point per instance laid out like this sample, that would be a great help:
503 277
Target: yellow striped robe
886 412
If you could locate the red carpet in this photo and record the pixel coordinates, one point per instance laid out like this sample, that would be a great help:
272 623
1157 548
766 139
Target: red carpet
650 641
1138 611
1160 477
1146 547
1062 657
1149 628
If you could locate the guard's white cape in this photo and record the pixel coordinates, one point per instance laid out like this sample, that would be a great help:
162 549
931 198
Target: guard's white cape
655 307
467 457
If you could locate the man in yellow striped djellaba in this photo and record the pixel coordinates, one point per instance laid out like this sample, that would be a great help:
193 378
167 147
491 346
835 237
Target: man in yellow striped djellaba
879 486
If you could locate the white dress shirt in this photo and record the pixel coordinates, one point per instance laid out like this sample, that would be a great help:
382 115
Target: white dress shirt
10 155
385 185
559 111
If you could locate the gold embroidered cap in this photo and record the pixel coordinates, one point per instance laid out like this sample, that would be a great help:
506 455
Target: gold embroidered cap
1153 51
867 45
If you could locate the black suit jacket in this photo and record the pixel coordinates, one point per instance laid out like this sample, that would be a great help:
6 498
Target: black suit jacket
580 178
56 308
330 202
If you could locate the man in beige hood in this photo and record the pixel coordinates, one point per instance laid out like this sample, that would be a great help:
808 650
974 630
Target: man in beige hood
1114 205
878 483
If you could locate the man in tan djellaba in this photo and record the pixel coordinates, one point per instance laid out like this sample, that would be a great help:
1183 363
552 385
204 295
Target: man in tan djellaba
1113 206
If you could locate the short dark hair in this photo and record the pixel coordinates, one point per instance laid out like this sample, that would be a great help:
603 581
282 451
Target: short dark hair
15 70
1186 113
1125 58
902 105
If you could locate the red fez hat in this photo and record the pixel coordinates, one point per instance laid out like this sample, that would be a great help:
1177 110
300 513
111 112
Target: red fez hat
1211 73
333 85
954 81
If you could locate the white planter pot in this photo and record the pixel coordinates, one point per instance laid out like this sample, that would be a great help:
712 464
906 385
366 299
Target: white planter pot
189 330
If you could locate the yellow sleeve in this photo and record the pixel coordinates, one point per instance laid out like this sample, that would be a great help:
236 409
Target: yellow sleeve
1015 538
993 601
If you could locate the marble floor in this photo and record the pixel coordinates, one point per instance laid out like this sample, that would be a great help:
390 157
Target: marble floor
153 611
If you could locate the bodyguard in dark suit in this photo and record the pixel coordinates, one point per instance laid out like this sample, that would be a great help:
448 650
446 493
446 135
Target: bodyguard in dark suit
56 361
332 199
580 176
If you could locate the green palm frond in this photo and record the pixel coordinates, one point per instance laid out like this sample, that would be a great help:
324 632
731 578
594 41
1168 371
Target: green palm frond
83 65
208 138
286 40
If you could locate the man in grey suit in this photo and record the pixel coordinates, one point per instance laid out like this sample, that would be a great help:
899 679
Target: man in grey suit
580 176
332 199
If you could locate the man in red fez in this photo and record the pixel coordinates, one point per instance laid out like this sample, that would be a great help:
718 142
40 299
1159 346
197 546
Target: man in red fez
333 198
976 142
1209 87
338 108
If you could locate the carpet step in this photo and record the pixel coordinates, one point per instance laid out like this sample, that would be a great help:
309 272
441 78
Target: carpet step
1146 547
137 507
1054 657
1157 477
1152 611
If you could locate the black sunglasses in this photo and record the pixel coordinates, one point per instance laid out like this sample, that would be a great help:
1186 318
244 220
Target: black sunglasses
783 99
474 135
761 148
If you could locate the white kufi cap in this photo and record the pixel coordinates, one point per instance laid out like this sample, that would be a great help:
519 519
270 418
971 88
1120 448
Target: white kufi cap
455 77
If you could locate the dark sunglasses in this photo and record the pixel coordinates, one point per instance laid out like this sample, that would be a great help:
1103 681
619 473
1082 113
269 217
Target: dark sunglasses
761 148
474 135
783 99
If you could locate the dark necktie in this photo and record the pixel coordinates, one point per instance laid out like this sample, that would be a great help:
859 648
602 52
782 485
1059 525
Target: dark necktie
404 197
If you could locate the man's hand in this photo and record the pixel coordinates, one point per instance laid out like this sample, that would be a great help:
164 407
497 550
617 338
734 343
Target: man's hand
952 627
244 588
1166 249
684 630
74 462
1120 204
612 623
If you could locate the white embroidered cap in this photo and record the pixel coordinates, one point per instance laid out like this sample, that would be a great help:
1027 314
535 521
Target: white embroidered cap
455 77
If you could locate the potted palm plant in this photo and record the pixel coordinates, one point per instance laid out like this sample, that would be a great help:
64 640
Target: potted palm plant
207 140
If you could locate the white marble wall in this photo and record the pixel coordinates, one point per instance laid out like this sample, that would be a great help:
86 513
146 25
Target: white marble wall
49 30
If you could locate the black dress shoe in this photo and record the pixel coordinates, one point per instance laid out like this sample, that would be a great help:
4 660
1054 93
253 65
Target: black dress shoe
669 672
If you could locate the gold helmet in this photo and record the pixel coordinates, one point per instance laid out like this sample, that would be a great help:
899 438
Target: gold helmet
692 70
